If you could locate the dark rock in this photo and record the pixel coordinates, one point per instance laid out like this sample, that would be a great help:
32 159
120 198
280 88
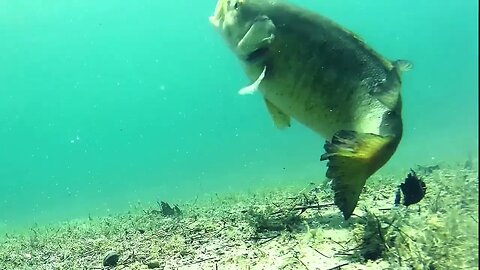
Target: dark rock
111 258
153 264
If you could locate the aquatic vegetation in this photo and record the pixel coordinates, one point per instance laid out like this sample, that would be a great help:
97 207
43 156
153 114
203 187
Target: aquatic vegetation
440 233
290 228
443 234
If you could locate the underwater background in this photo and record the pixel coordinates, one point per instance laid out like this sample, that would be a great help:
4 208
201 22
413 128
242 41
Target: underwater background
104 104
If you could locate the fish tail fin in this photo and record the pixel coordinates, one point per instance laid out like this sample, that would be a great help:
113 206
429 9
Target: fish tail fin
352 158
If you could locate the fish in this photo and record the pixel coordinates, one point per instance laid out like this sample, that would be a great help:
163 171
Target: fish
310 69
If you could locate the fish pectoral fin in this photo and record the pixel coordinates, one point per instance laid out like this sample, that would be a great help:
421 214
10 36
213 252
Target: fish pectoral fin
389 98
352 158
387 91
280 119
260 34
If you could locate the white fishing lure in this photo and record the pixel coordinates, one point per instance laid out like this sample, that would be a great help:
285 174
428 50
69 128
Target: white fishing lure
252 88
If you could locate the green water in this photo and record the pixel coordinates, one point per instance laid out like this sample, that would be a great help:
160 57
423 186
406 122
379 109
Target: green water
107 103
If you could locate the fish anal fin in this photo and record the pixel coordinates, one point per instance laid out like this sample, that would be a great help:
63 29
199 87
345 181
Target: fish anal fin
352 158
280 119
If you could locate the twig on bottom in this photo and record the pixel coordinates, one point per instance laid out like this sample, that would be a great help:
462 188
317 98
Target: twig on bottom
304 265
474 219
342 246
319 252
269 239
305 207
298 259
199 261
338 266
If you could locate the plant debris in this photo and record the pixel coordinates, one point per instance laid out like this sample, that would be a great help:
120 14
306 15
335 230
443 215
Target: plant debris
167 210
426 170
287 228
413 190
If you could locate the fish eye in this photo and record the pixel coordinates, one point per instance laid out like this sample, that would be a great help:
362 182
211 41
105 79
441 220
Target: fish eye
235 4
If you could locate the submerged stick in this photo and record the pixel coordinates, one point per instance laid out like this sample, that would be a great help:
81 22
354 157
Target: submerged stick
319 252
305 207
199 261
304 265
269 239
338 266
474 219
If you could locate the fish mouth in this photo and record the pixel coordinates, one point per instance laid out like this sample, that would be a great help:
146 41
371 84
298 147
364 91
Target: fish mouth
219 13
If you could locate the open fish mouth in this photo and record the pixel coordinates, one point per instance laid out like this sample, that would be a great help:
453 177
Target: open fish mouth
219 13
